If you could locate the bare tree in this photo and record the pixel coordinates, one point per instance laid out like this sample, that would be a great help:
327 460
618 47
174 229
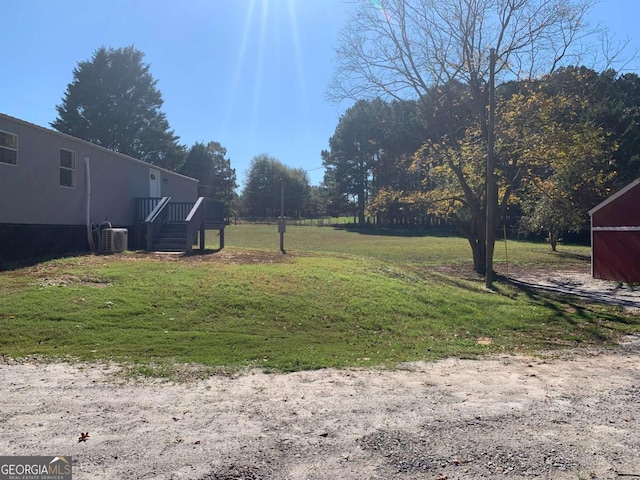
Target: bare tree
407 48
403 48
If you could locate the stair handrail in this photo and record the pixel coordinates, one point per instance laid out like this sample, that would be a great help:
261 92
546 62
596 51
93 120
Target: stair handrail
194 222
155 220
144 206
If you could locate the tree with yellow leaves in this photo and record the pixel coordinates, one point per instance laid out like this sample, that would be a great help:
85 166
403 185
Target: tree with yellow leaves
405 48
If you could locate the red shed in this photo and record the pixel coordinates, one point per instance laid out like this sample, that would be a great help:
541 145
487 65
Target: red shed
615 236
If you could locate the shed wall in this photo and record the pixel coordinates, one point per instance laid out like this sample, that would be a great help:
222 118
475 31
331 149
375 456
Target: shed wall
616 255
622 212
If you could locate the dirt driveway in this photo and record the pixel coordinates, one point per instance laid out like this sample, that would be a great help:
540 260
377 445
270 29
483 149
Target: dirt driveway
574 415
570 417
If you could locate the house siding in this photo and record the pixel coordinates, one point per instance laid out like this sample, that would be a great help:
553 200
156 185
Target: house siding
30 191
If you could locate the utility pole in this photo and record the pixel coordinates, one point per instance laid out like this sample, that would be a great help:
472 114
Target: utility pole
492 188
282 225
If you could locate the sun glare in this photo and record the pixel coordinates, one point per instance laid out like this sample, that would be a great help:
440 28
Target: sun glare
264 22
299 59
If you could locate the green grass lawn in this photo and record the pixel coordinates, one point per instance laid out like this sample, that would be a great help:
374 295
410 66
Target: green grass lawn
338 298
402 246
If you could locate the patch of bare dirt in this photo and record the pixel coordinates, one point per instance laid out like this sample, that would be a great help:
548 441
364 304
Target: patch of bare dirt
232 257
568 416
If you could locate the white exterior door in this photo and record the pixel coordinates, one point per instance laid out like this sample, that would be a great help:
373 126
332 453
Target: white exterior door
154 183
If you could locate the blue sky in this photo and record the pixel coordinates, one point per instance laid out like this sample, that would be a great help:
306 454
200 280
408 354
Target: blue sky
250 74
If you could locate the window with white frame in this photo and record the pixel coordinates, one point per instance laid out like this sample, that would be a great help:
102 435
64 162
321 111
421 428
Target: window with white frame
67 168
8 148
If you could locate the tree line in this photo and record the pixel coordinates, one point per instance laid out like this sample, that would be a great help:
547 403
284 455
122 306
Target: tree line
564 142
568 139
477 70
113 101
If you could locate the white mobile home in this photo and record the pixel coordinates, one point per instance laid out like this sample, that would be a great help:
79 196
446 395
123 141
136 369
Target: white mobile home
55 188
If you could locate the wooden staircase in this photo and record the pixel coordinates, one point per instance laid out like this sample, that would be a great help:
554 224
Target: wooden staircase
170 226
172 237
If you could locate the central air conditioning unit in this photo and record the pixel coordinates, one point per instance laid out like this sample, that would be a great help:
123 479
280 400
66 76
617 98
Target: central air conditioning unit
115 240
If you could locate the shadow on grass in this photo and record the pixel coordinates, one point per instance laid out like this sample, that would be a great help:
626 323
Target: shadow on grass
470 284
567 292
202 253
6 266
406 232
576 308
573 314
30 262
573 256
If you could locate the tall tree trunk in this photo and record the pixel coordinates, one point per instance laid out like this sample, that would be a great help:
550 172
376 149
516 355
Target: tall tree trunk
554 236
473 228
479 250
362 193
361 206
477 239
